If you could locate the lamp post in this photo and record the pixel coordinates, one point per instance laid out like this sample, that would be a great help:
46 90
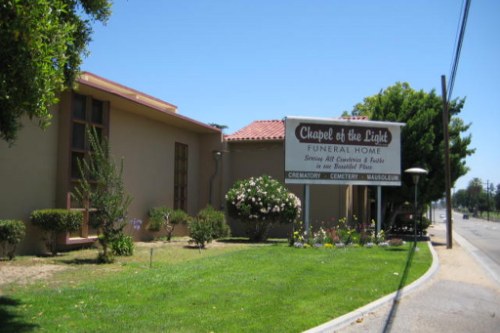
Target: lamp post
415 173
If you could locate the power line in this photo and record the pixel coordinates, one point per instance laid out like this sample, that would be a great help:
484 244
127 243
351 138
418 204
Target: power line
458 48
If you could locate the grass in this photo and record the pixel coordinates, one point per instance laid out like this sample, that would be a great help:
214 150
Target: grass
230 288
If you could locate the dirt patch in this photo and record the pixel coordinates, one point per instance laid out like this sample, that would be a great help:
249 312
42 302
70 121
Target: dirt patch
27 274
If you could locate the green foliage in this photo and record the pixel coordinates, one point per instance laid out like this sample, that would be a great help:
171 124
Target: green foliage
122 245
166 218
42 43
179 216
422 138
217 219
56 221
158 217
261 201
342 233
102 186
200 231
11 233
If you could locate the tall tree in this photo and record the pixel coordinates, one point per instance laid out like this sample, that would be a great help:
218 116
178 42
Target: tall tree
422 138
41 45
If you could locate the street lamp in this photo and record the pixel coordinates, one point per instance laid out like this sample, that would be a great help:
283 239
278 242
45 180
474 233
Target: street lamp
415 173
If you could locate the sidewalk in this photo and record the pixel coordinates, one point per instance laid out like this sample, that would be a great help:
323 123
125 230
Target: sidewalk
459 297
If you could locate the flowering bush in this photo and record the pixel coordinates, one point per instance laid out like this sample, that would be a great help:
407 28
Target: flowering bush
261 201
343 233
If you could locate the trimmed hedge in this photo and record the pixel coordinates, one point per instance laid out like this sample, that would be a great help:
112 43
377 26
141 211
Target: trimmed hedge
12 233
55 221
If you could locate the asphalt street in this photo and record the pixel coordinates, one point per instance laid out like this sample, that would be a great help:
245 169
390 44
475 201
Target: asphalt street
482 241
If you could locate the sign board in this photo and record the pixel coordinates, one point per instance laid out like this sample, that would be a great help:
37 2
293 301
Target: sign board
338 151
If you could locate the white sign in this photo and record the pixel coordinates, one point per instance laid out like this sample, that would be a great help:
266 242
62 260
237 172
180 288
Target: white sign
338 151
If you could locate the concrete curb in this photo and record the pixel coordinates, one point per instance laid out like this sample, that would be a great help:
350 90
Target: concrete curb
483 260
351 317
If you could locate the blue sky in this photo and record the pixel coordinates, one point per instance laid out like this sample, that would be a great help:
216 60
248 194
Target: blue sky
234 61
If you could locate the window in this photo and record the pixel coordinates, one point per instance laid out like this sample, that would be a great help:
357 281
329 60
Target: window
86 112
180 176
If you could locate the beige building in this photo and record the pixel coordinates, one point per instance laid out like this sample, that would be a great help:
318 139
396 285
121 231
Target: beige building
169 160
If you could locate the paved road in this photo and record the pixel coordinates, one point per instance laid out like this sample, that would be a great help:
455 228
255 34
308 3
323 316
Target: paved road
484 239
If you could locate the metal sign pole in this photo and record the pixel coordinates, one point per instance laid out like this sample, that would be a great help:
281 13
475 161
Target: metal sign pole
307 197
379 208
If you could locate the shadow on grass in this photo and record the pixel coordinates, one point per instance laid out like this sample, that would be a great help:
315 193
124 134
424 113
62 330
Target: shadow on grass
81 261
237 240
395 249
11 322
402 283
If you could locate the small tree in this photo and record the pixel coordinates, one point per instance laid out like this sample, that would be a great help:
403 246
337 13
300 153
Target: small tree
260 202
102 186
200 231
166 218
56 221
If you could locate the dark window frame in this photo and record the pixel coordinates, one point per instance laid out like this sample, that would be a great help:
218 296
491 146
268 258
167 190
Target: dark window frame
181 165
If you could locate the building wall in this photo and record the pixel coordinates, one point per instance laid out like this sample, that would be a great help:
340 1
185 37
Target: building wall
28 172
247 159
148 148
36 169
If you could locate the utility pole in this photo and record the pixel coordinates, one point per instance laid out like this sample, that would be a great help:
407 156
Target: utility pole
488 199
446 119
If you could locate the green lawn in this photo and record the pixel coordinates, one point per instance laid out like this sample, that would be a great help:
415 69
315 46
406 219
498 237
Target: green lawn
229 288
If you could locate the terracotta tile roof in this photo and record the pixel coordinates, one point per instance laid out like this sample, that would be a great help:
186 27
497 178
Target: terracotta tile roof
269 130
260 130
355 118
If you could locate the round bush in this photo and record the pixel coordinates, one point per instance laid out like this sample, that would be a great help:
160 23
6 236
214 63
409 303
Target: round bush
261 201
11 233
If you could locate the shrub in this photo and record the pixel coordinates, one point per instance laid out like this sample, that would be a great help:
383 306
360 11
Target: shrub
11 233
122 245
423 224
55 221
200 231
259 202
166 218
102 185
157 218
217 220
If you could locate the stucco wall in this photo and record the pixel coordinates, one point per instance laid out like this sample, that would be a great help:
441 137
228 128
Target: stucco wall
28 172
148 148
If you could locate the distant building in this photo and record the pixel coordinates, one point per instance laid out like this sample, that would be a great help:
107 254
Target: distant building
259 149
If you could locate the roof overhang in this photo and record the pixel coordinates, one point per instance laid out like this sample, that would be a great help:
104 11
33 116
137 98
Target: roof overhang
133 101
